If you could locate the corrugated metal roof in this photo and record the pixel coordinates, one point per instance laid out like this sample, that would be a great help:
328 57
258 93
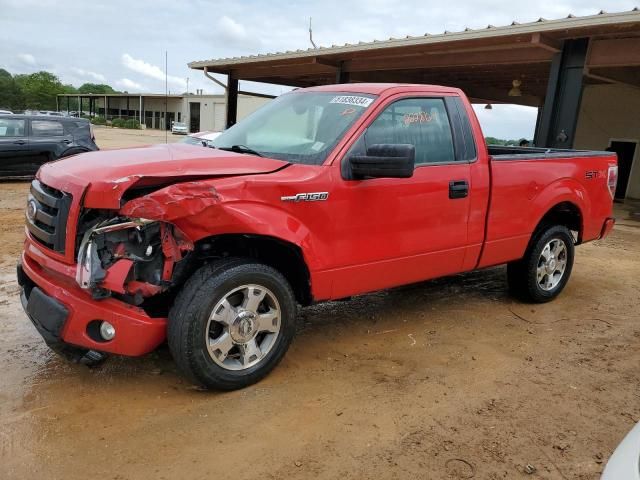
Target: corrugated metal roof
541 25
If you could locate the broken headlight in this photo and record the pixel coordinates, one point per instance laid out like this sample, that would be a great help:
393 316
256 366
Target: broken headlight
111 240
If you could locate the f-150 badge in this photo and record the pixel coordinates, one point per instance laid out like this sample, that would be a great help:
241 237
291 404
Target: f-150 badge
306 197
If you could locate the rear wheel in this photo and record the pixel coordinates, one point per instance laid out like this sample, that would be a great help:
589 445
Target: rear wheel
232 323
546 267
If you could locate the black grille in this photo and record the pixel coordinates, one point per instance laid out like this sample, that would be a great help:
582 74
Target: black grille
47 212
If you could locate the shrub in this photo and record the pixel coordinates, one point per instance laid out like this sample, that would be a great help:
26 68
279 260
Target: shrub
123 123
99 121
132 123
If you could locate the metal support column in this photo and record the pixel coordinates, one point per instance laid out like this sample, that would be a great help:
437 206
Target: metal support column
232 100
556 126
106 107
140 111
341 75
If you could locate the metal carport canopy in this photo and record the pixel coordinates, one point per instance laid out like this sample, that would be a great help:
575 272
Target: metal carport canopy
483 62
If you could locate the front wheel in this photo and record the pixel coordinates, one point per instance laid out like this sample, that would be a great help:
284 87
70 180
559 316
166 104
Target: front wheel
546 267
231 324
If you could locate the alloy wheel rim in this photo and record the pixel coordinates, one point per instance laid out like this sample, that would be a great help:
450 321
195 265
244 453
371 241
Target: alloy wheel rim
243 327
552 264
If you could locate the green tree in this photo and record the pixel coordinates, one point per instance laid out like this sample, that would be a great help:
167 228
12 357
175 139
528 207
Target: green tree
495 141
96 88
500 141
39 90
73 101
10 94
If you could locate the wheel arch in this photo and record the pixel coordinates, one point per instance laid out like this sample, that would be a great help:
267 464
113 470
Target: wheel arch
284 256
565 213
74 151
564 202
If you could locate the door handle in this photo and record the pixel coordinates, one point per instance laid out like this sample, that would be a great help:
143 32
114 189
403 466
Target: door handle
458 189
66 141
19 142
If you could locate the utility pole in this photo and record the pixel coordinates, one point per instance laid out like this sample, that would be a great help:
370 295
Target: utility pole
311 34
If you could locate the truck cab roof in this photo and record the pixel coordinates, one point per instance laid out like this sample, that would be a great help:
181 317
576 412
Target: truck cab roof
379 88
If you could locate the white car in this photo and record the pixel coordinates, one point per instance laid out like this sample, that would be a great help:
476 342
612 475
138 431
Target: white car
624 464
201 138
179 128
5 112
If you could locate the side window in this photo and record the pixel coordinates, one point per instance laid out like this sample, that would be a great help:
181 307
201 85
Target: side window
46 128
467 149
422 122
11 128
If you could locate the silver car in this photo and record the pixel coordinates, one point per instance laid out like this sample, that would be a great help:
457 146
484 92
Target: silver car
624 464
201 138
179 128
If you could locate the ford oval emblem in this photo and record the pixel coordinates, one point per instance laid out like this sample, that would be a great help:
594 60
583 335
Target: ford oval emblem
32 209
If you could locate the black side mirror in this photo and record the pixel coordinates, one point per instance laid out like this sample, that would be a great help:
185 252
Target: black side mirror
384 161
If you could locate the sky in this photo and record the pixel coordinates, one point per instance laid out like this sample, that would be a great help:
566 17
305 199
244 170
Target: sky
123 43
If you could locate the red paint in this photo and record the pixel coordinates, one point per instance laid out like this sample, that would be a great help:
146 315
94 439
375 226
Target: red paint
136 332
143 288
607 227
368 235
116 275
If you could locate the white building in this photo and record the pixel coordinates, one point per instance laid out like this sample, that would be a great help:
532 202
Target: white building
200 112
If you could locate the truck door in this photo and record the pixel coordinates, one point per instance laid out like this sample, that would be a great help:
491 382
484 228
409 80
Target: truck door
14 146
393 231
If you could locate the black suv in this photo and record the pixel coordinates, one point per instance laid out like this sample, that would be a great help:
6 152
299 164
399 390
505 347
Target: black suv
28 141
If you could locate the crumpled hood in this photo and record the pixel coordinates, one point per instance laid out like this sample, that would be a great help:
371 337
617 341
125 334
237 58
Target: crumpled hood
108 174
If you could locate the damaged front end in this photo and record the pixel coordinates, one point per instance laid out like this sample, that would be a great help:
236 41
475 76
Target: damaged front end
131 258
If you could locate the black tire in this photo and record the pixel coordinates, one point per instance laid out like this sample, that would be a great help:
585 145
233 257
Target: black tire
522 275
89 358
189 315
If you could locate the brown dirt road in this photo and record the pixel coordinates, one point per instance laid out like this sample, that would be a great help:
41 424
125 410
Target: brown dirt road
107 138
448 379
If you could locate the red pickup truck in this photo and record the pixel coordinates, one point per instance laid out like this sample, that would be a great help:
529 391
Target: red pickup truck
322 194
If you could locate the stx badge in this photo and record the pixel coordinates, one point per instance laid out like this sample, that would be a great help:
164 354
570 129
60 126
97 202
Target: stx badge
592 174
306 197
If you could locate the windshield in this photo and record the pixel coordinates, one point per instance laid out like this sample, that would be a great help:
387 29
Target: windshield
299 127
179 124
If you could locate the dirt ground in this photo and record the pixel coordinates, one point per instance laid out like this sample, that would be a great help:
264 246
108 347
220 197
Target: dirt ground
119 137
449 379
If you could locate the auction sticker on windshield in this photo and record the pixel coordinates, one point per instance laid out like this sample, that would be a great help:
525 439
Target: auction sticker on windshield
352 100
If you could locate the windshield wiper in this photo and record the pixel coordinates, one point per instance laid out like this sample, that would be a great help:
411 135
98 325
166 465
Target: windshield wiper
241 149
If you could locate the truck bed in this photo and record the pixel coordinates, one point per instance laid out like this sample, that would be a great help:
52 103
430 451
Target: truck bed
500 152
523 188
